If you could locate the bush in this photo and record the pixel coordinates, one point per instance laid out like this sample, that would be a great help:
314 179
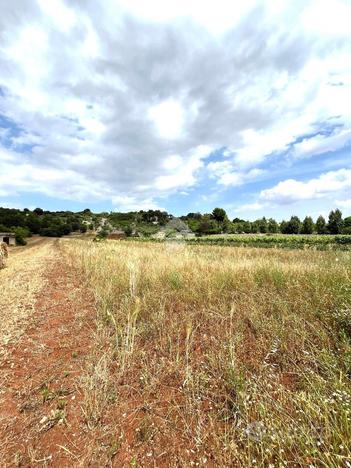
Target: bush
128 230
20 235
102 234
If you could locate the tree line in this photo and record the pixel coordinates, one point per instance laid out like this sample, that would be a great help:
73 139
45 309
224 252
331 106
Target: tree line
25 222
59 223
218 222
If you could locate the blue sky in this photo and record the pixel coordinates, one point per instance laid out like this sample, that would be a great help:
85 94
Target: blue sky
184 106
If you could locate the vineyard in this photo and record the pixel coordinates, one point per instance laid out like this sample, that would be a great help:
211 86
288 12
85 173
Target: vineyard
281 241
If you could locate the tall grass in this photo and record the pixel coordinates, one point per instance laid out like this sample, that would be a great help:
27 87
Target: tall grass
221 356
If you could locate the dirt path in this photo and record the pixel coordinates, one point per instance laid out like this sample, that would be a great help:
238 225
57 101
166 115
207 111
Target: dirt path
48 323
20 282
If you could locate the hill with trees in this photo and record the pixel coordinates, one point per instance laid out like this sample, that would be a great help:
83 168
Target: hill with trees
146 223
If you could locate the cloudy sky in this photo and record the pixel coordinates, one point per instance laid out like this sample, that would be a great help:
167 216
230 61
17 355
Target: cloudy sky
183 105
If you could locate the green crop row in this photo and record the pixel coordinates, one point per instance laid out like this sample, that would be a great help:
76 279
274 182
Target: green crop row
318 242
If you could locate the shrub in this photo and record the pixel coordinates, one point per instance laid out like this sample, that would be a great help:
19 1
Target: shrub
128 230
20 235
102 234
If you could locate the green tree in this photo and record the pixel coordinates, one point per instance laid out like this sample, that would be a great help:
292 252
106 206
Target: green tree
347 225
282 227
272 226
219 215
255 227
335 222
207 227
21 234
263 225
291 227
38 211
307 225
321 225
246 227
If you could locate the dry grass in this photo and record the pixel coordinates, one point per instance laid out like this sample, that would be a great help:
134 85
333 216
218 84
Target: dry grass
219 355
21 279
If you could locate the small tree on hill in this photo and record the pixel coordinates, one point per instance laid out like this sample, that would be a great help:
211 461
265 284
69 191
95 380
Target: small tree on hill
219 215
38 211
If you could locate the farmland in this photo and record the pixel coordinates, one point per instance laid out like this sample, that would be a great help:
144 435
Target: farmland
195 355
314 242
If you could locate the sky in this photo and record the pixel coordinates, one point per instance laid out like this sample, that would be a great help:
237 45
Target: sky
178 105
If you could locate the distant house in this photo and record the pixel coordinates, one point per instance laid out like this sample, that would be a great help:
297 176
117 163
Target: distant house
8 238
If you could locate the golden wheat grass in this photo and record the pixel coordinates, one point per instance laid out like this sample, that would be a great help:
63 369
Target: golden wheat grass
220 355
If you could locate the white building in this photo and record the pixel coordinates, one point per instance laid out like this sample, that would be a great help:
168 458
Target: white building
8 238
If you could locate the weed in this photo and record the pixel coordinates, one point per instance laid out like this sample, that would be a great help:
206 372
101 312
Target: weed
46 393
61 405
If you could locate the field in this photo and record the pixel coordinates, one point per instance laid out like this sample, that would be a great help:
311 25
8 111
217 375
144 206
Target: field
198 355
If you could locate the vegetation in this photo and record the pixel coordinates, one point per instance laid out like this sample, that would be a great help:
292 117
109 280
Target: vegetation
45 223
219 356
21 233
318 242
147 223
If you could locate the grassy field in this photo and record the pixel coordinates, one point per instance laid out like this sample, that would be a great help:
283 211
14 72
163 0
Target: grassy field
215 356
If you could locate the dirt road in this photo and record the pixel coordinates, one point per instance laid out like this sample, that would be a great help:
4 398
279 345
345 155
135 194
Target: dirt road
48 321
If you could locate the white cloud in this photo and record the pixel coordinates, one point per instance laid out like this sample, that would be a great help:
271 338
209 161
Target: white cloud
172 162
321 144
250 207
328 18
344 203
125 204
117 97
331 183
226 175
62 17
183 175
168 118
217 16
